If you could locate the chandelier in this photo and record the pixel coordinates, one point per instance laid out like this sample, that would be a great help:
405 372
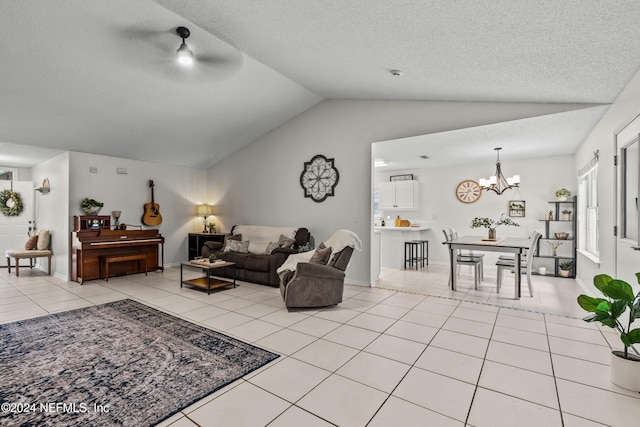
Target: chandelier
498 182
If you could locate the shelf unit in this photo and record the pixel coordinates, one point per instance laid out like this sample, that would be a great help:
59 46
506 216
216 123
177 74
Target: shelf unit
196 241
557 225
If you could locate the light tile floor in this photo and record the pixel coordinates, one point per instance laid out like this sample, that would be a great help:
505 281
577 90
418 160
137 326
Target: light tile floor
419 355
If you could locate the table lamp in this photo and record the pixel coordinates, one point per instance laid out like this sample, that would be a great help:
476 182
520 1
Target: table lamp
204 211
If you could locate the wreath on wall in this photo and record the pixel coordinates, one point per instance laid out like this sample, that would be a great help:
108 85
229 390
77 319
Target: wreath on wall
10 203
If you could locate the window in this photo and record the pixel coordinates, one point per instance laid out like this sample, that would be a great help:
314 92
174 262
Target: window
588 210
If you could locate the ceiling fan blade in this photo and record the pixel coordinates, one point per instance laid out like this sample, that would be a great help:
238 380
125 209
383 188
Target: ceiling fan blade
152 45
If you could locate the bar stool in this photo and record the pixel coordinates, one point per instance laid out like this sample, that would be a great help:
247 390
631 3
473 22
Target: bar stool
415 253
425 251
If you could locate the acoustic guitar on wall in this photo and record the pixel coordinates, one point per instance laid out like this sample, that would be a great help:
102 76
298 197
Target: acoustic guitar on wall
151 215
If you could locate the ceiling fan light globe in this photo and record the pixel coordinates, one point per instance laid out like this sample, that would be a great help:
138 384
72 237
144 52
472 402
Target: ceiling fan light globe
185 55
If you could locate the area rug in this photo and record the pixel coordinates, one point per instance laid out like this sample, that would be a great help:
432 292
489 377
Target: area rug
120 363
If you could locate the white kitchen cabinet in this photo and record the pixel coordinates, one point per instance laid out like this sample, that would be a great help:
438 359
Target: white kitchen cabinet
398 195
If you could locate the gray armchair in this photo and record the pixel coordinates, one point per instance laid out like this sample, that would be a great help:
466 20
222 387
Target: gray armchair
316 285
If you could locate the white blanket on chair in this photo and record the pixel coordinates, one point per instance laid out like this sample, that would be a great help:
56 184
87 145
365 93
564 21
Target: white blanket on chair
337 242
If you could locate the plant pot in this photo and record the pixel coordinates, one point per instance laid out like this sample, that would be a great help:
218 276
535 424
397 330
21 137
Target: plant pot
561 198
92 211
566 217
565 273
625 372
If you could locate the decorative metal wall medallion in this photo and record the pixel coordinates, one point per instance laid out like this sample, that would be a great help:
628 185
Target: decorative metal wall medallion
319 178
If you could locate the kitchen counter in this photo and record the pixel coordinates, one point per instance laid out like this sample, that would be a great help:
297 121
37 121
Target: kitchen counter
394 228
391 243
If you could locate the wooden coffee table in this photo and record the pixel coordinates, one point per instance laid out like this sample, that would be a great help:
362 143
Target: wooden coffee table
207 281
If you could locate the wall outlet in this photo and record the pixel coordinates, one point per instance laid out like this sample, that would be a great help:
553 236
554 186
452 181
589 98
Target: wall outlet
93 169
122 171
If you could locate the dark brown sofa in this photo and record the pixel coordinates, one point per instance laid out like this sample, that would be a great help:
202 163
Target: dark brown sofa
254 267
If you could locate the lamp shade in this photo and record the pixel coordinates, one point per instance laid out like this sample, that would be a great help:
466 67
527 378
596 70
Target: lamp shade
204 210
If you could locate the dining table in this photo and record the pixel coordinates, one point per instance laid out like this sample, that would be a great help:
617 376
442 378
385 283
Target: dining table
514 245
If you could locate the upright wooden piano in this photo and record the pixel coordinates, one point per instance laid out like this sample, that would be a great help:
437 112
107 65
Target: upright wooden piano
90 244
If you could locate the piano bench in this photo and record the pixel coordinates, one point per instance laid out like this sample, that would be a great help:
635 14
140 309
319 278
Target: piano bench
105 260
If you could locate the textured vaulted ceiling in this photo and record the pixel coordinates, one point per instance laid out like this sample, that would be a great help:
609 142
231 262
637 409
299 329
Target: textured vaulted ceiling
98 76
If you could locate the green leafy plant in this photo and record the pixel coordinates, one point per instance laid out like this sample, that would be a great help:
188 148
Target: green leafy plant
492 223
566 212
607 311
563 192
212 257
565 265
88 203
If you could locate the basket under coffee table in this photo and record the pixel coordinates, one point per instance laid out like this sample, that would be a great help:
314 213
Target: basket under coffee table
207 281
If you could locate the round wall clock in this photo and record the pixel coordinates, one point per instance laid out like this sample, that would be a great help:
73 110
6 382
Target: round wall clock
319 178
468 191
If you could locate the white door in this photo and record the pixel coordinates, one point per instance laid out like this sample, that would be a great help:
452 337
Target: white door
14 229
627 218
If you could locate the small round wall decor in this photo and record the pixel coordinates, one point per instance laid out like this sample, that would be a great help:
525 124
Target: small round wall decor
319 178
10 203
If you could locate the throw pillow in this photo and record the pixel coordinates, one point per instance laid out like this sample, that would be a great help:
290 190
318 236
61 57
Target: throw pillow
237 246
243 246
31 243
44 238
286 242
321 255
233 238
271 246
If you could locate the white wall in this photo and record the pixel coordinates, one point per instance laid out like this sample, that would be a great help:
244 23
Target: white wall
52 211
601 138
260 183
177 190
540 178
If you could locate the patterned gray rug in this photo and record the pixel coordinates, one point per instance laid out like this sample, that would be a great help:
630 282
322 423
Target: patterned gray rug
121 363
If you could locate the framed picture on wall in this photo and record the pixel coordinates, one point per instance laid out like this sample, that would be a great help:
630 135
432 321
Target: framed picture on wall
517 208
406 177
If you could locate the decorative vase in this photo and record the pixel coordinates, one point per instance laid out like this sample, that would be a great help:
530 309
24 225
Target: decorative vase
492 234
625 372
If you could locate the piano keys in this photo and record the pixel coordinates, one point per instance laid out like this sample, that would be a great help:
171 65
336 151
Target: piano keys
89 247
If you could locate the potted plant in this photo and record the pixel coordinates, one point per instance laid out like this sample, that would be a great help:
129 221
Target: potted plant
566 214
212 258
491 224
565 268
625 365
562 194
212 227
91 206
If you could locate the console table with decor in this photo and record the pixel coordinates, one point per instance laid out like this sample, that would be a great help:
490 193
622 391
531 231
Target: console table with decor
196 242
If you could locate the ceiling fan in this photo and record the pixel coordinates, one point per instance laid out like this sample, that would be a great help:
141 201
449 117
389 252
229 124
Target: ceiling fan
155 45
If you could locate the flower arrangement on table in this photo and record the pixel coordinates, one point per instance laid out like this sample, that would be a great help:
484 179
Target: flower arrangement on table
491 224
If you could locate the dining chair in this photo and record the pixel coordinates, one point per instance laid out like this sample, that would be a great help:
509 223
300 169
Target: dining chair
525 265
475 262
468 254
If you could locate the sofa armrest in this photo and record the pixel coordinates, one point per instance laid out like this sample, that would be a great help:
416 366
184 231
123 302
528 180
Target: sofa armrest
216 246
210 247
306 269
